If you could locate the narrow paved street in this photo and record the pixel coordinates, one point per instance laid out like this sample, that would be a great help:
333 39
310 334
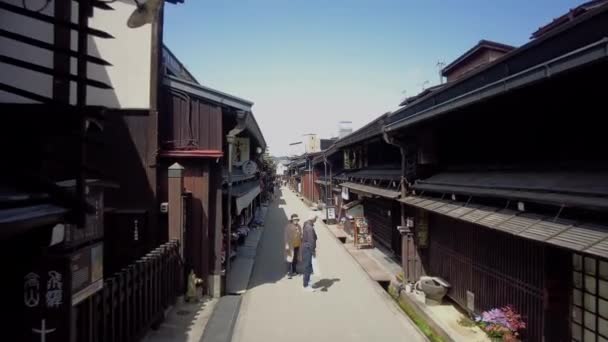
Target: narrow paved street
347 306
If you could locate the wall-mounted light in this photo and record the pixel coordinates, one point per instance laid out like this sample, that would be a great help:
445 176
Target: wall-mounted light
259 150
144 13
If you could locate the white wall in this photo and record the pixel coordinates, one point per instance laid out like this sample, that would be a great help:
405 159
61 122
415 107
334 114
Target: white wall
129 52
280 169
313 143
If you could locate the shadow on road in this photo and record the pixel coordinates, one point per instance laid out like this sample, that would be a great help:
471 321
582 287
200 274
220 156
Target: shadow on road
270 265
325 284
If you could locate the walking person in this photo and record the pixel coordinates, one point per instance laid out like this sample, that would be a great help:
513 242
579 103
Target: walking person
309 250
293 241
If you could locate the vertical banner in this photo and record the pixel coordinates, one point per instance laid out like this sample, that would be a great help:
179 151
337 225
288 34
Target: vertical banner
345 193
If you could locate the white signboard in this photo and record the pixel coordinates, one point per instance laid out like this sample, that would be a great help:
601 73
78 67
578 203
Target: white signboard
345 194
250 167
331 213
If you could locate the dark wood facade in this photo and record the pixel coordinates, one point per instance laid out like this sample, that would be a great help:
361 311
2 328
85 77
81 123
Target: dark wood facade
193 125
505 152
384 216
496 268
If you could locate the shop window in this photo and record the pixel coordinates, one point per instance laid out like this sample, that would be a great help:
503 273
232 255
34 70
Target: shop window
591 284
604 269
589 299
590 266
604 288
603 328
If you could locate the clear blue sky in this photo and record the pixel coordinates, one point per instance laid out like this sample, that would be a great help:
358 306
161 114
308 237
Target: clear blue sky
309 64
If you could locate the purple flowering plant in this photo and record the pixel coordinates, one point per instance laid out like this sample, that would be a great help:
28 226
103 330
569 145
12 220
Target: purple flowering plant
503 323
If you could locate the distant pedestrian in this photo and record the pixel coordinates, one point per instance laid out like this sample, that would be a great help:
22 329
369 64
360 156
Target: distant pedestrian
309 250
293 241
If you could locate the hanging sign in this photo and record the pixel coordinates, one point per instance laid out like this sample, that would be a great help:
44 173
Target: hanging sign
422 228
250 167
345 193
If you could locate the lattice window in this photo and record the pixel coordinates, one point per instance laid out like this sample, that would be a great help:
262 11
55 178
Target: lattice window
589 299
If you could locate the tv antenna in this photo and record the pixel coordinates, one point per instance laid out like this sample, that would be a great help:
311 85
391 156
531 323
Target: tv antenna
440 65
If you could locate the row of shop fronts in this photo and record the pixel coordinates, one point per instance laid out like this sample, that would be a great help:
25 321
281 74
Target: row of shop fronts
495 181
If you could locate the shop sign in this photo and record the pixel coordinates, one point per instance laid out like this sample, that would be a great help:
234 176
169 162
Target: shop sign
345 193
422 229
250 167
331 213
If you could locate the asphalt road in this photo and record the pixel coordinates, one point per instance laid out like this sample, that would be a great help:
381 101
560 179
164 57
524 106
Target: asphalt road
348 305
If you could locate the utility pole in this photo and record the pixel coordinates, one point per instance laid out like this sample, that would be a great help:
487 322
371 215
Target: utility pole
440 66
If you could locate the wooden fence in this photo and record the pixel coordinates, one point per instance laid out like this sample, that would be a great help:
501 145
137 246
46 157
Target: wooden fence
134 299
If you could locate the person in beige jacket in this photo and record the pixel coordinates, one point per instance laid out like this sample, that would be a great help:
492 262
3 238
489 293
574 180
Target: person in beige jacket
293 241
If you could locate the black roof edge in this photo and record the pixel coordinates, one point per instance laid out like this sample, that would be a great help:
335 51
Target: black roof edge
584 27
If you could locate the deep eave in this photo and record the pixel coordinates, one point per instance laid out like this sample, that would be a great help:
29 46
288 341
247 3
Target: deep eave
192 154
208 94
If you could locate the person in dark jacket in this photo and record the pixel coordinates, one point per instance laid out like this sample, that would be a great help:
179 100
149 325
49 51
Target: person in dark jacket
309 249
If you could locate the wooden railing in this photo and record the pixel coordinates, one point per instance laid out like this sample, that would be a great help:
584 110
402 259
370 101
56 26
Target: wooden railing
134 299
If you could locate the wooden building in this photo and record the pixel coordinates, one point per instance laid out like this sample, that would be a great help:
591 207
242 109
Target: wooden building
506 183
197 128
363 170
67 92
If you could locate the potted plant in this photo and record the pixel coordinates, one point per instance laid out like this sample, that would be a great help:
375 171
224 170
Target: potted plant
501 324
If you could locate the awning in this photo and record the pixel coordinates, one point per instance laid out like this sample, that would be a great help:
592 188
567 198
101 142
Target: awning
18 220
381 174
392 194
578 189
577 236
322 182
244 194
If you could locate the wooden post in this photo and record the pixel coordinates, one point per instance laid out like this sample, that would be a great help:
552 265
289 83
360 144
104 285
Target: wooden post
216 273
176 206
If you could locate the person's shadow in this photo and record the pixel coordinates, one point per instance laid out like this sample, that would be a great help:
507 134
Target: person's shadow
325 284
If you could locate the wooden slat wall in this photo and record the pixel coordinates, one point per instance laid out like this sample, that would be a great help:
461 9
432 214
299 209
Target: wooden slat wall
196 181
207 125
188 122
498 268
310 190
383 226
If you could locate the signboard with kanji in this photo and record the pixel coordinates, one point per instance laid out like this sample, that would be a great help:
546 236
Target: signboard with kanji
53 284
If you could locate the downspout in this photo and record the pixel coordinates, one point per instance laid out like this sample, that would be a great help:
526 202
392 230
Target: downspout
328 185
241 118
406 234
